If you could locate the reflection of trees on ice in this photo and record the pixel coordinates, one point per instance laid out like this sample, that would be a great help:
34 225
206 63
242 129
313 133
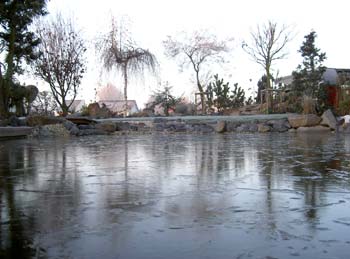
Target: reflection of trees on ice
16 242
244 186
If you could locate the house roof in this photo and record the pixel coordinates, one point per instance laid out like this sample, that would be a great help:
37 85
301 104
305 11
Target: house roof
330 76
286 80
118 105
76 105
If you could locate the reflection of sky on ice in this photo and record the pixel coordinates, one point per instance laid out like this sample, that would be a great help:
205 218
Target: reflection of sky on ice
181 196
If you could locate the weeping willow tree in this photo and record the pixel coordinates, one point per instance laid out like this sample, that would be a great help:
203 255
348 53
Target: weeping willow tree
118 51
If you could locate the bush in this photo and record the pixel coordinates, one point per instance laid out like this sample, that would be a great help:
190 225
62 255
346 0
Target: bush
165 99
39 120
185 109
344 107
84 110
44 104
143 113
222 97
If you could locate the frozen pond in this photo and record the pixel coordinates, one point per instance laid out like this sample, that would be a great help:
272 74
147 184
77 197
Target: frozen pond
176 196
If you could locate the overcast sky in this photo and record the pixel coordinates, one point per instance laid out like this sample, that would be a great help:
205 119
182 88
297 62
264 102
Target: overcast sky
153 20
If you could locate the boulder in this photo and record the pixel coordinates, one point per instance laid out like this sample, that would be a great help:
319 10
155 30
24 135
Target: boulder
279 125
232 126
108 127
122 126
253 127
243 128
204 128
315 129
74 130
86 132
159 120
306 120
280 128
345 128
14 121
248 127
53 130
328 119
134 127
180 127
201 128
341 121
262 128
84 127
159 126
68 124
170 127
143 127
220 127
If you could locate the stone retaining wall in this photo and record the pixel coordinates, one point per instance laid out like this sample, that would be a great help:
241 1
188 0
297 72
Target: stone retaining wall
198 125
207 125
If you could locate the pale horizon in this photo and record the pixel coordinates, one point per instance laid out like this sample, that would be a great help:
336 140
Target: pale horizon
153 20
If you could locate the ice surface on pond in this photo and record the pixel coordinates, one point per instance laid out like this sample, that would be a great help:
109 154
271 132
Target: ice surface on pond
176 196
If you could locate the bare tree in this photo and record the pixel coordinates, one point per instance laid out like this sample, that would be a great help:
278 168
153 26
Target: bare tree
196 50
118 50
62 60
268 44
44 104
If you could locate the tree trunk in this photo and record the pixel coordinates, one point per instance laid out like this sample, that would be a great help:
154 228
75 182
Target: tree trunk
3 98
204 111
166 110
10 55
19 108
200 88
125 75
64 108
268 88
5 84
3 110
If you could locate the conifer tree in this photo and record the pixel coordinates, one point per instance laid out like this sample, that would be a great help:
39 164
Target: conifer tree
218 93
17 42
222 97
307 78
165 99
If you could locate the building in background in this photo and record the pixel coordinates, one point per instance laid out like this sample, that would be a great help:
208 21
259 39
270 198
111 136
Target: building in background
76 106
110 96
335 80
117 106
